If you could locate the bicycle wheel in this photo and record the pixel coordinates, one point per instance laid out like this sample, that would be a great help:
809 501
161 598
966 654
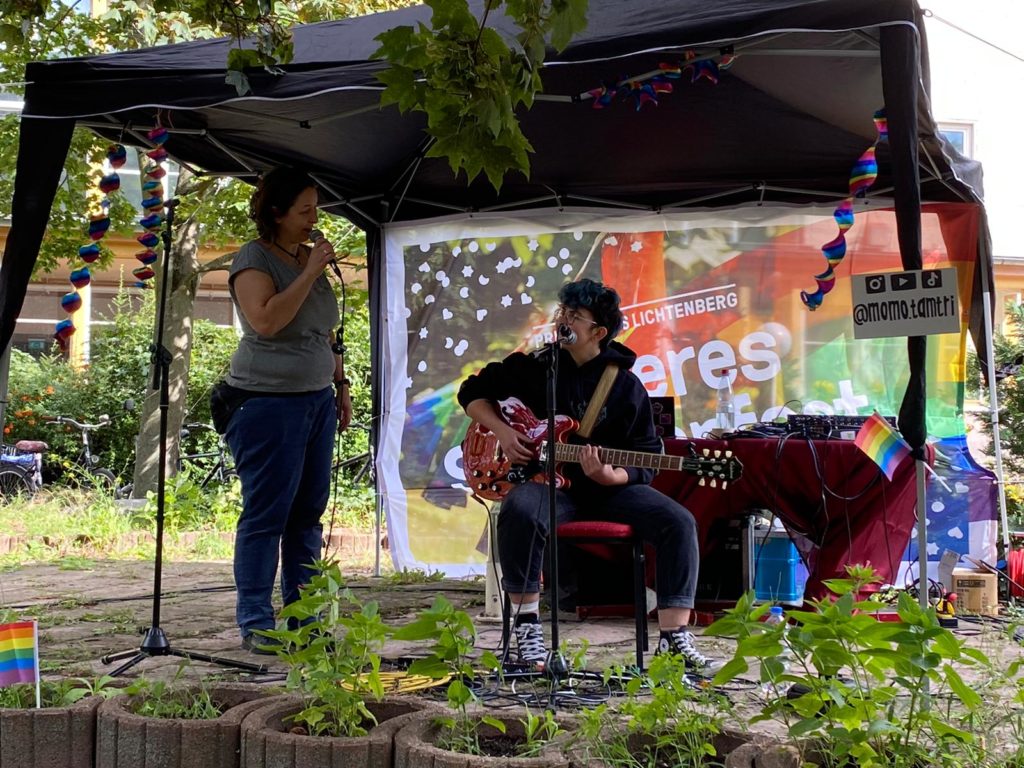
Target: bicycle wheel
104 480
15 480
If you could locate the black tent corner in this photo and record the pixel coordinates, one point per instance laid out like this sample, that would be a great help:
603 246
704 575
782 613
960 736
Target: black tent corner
42 149
793 58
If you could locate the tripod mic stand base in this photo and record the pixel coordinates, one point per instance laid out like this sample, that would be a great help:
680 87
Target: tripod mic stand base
556 667
155 643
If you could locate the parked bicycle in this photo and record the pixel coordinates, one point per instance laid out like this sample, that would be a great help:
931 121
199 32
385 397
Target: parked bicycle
87 462
214 466
20 466
359 468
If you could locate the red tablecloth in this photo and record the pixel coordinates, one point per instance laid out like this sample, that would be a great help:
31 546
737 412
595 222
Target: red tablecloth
836 503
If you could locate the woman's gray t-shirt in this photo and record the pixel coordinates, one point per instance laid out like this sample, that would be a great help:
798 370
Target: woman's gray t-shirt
298 358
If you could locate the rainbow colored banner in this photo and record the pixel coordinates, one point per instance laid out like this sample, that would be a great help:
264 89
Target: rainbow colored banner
881 444
19 653
701 291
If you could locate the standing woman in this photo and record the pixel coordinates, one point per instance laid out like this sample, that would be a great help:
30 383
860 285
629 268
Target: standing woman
294 397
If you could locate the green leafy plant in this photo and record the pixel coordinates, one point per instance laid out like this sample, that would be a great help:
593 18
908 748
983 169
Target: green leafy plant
538 731
169 700
668 720
1008 353
59 693
859 691
414 576
333 655
470 80
453 638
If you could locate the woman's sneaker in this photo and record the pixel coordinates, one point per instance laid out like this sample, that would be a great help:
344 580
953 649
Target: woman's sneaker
682 643
530 648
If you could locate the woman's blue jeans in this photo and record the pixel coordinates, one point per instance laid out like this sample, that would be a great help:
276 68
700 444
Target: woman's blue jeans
282 448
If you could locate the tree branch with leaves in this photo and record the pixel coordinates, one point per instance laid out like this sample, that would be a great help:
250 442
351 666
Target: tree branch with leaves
469 80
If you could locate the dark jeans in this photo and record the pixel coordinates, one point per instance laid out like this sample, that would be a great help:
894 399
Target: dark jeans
661 521
282 448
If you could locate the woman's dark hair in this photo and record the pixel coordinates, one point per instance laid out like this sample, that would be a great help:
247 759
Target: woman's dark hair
275 193
599 299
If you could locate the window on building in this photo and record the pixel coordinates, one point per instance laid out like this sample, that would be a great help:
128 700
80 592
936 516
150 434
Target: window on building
960 135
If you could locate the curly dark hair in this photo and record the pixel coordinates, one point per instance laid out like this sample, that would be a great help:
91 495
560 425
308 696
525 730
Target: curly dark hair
275 193
599 299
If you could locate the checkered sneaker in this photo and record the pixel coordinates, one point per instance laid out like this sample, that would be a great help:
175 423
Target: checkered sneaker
530 643
683 643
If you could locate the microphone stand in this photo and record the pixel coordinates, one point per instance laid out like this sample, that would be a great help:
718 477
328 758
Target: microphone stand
555 666
155 642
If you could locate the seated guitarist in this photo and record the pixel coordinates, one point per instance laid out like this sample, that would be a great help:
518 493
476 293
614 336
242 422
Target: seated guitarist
597 490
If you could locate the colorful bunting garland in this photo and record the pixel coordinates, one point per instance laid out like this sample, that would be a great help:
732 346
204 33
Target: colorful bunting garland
152 206
647 88
99 223
862 176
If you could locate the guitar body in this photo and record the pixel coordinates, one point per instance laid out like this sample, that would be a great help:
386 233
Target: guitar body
489 473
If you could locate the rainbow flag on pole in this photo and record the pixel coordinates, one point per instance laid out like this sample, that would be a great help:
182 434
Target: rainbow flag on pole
19 653
882 444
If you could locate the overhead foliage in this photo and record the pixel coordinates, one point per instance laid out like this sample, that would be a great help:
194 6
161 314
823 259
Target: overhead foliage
470 80
466 77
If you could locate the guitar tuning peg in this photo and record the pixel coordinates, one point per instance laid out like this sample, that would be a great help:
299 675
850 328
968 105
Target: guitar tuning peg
702 481
714 483
728 454
725 484
706 452
718 454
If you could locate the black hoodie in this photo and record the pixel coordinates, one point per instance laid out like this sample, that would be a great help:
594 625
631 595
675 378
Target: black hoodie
625 421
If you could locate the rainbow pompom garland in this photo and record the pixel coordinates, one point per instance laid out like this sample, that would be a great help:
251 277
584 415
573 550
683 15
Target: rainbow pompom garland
862 176
99 224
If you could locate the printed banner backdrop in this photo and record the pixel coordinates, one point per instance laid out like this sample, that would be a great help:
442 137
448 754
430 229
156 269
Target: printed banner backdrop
700 291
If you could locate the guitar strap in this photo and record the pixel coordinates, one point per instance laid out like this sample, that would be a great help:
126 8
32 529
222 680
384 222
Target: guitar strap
604 386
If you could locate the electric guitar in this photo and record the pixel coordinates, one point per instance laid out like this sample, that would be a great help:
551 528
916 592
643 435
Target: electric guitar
491 475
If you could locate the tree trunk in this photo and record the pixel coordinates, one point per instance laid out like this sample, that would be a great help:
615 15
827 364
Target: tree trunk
177 340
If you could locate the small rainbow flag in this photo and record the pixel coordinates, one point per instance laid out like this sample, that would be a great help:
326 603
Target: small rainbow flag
882 444
19 653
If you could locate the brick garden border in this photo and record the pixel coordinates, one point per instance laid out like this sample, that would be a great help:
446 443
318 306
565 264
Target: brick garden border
266 742
127 740
53 737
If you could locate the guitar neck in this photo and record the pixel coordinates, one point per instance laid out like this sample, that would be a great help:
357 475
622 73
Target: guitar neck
569 452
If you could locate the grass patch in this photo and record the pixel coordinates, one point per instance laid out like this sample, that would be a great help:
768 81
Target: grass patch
76 527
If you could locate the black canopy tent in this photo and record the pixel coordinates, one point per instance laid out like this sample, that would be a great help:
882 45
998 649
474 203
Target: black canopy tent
786 123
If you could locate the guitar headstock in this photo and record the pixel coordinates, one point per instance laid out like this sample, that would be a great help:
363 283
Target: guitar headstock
714 467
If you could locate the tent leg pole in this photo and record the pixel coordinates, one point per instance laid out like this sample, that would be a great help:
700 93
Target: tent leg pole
5 376
922 536
993 412
377 528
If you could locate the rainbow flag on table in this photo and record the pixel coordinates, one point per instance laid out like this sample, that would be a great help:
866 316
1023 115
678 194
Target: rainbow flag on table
882 444
19 653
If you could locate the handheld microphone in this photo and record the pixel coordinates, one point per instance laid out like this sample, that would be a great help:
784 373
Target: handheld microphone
338 347
315 236
565 334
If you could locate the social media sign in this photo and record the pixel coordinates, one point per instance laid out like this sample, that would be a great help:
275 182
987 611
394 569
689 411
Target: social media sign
916 303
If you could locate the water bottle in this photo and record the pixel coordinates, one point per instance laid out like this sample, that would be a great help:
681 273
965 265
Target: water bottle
725 412
775 616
